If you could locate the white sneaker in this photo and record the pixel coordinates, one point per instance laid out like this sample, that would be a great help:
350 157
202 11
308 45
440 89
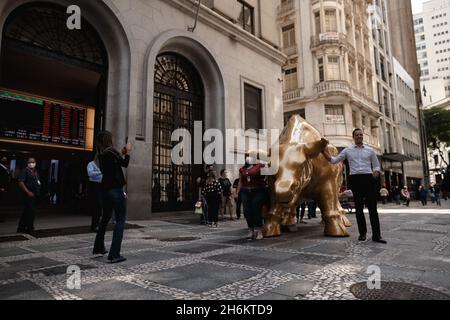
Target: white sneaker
258 235
250 234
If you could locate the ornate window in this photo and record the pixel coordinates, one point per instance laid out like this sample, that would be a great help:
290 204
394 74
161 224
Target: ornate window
44 27
178 103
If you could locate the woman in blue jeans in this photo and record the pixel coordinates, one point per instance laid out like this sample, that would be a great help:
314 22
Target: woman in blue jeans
111 164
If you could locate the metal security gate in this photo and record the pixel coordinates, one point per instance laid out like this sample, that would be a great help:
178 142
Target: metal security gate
178 102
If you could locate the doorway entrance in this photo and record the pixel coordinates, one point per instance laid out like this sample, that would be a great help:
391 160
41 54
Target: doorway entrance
178 103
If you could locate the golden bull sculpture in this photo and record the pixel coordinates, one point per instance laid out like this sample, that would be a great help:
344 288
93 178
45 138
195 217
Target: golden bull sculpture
304 174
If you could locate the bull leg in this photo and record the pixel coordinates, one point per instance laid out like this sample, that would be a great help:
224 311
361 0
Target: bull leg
290 217
332 217
272 226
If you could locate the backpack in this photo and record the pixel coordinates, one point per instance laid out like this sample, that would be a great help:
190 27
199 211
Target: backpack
226 186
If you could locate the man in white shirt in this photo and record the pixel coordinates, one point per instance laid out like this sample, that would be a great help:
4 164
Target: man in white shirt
364 170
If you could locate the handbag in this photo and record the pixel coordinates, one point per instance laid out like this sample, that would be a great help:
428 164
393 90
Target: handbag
198 208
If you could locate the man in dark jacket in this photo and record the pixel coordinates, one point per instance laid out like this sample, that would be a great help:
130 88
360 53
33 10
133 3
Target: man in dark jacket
30 184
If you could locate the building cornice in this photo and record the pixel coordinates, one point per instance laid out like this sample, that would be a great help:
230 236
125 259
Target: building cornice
221 24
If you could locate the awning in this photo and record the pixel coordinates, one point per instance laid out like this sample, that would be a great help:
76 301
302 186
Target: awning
396 157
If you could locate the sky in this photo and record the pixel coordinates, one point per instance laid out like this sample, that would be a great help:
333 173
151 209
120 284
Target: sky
417 5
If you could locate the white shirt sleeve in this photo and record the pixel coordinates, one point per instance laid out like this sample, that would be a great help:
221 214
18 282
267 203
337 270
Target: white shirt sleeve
375 163
341 157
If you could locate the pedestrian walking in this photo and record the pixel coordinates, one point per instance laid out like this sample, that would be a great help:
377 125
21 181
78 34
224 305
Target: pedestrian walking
300 213
437 193
312 207
237 198
406 196
423 194
94 192
433 194
384 193
30 185
364 170
213 195
253 191
227 203
397 195
113 182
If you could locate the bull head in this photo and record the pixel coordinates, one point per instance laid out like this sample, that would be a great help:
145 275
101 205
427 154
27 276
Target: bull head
295 170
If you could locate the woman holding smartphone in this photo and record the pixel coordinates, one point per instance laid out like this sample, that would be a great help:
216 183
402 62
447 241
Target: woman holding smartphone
111 164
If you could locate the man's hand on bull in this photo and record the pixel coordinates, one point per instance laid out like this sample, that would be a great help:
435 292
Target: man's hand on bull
325 143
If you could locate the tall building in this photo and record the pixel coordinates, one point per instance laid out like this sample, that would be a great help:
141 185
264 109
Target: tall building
402 36
340 76
404 51
432 30
140 69
409 129
329 75
439 159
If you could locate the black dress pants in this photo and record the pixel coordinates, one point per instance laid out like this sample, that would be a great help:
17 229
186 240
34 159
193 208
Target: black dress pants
364 190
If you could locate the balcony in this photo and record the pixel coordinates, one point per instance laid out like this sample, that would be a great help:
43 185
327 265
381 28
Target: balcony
292 95
290 51
329 88
286 8
363 99
328 38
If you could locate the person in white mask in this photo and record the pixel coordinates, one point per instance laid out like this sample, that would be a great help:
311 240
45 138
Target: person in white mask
30 184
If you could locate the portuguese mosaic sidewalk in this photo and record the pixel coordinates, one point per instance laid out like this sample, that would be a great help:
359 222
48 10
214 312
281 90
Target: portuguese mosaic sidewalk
179 259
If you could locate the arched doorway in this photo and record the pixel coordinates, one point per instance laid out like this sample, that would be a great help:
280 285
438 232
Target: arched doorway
42 59
177 103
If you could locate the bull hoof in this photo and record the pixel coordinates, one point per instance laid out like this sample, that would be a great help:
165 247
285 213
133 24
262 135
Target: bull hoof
335 227
271 231
289 221
346 222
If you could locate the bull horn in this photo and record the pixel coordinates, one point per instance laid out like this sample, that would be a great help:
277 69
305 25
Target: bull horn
263 155
313 149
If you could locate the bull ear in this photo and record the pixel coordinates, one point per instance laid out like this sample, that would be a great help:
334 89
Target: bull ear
314 149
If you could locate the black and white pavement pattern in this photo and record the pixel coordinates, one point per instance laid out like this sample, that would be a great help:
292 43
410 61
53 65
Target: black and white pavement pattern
219 264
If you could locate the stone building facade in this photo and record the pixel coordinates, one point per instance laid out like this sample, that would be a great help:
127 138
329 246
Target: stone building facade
159 74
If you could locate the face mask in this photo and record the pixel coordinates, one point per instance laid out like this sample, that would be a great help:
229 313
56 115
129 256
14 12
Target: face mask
32 165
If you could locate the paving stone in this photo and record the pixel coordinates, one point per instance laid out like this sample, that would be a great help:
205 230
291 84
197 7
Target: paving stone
197 248
9 252
254 257
198 277
295 288
24 290
118 290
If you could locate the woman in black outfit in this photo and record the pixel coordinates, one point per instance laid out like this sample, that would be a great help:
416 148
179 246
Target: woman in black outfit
111 163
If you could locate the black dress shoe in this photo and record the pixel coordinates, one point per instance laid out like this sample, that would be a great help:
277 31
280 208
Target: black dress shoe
379 240
117 260
362 238
102 252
